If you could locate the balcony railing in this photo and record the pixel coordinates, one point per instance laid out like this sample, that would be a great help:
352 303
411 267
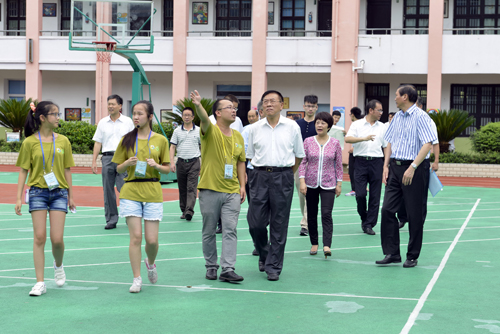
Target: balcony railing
397 31
299 33
12 32
221 33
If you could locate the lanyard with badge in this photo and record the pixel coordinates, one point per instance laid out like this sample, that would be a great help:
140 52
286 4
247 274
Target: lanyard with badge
228 161
140 168
50 178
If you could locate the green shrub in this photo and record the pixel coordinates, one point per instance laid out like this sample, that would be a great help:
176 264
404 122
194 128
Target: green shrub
487 139
167 127
79 134
11 146
469 158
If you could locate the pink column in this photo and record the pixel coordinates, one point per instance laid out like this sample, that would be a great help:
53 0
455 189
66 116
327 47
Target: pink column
33 28
343 80
259 74
435 59
180 79
103 77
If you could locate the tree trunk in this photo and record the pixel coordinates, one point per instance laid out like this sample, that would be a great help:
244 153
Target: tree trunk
444 147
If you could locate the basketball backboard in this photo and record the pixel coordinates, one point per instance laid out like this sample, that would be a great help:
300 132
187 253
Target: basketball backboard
128 23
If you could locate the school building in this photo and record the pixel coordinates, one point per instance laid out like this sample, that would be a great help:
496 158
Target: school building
345 51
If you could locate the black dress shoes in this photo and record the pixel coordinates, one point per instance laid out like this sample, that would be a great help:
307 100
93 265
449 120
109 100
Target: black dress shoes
410 263
211 274
368 230
402 224
262 266
273 277
189 216
110 226
255 253
219 229
390 259
230 276
304 232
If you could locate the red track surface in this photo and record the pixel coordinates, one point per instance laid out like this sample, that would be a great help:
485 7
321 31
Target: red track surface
93 196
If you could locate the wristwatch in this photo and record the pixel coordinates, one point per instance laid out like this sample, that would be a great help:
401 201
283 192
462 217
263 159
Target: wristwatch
414 165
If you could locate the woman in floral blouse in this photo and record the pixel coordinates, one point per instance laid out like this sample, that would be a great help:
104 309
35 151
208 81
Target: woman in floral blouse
321 174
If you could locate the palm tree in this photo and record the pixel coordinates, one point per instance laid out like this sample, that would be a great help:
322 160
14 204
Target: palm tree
450 124
13 114
175 117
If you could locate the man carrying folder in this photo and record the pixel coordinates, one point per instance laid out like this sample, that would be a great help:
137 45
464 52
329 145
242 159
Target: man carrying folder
406 175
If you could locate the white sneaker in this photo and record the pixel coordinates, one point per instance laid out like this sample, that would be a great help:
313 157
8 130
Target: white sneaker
137 285
59 275
39 289
351 193
152 274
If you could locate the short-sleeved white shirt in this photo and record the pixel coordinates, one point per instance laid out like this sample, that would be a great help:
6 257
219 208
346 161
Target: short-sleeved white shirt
109 133
276 147
372 148
187 142
236 125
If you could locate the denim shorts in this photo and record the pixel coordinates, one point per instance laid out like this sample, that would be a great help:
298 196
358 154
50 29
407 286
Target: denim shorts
51 200
146 210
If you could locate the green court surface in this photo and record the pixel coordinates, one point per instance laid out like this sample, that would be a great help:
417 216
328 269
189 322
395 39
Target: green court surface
454 288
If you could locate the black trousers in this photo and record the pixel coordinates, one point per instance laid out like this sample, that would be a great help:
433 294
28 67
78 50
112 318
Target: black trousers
187 180
312 201
352 163
401 214
414 197
271 196
368 172
247 185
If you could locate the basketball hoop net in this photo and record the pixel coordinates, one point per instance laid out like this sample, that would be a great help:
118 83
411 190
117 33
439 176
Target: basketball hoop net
104 50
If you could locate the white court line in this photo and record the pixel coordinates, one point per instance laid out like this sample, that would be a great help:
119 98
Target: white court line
305 251
233 289
416 311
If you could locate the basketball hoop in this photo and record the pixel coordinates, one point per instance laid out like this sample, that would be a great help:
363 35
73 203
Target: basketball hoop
104 50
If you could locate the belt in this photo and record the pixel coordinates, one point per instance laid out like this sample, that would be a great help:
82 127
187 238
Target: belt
143 180
273 169
108 153
187 160
402 162
367 158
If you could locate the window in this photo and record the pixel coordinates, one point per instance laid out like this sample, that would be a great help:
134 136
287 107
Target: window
380 92
168 17
481 101
16 17
234 17
17 89
293 13
477 14
416 15
66 17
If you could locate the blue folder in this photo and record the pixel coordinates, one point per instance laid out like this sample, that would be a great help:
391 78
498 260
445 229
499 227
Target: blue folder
435 185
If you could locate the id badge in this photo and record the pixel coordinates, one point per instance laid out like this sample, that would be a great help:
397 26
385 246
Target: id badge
51 181
228 171
140 168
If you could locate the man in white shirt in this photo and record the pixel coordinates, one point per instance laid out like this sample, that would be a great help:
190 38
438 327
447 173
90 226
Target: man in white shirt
107 136
186 139
276 149
367 137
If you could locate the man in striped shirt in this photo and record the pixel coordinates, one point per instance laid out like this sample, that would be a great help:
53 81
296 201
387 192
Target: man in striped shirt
409 138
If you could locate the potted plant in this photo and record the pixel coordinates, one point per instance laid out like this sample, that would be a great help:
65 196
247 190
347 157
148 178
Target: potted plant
175 117
450 124
13 114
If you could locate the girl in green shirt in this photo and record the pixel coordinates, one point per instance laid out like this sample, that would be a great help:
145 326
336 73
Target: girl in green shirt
48 158
144 155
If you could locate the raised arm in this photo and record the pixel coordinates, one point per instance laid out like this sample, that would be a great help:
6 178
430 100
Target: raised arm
202 113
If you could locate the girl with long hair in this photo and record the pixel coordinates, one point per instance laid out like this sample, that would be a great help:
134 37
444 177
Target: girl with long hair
144 155
48 158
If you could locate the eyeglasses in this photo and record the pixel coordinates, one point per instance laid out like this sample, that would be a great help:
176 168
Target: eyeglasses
379 110
270 101
55 114
309 106
230 108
